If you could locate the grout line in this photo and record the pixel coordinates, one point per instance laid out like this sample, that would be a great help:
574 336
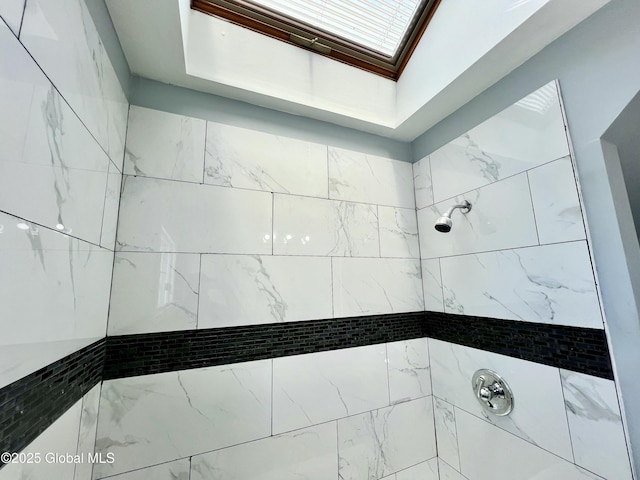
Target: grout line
431 180
333 300
415 215
505 249
301 256
378 225
386 353
411 466
328 173
451 467
511 433
273 221
204 155
272 374
64 98
533 208
448 199
24 9
455 424
104 208
199 292
95 438
115 240
441 286
244 189
261 439
338 448
56 231
566 416
435 427
75 466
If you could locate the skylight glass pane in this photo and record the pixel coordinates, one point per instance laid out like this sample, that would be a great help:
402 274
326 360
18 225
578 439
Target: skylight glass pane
376 24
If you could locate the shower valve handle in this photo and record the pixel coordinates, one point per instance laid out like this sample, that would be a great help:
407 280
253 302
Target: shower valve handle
492 392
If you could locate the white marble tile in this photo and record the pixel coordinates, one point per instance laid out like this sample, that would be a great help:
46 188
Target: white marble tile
447 472
423 471
486 460
366 286
11 12
359 177
111 208
242 158
307 454
501 217
63 40
445 418
595 423
167 216
61 438
555 202
17 361
398 232
538 414
58 285
523 136
178 470
409 375
432 285
157 418
248 289
547 284
318 387
51 170
312 226
154 292
384 441
164 145
87 432
422 183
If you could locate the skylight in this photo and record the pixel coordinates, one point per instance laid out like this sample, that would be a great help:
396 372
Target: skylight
375 35
376 24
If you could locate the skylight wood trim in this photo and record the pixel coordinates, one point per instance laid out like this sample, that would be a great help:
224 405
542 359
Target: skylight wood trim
281 27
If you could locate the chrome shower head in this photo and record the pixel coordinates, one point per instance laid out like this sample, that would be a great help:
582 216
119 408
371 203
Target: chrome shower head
444 223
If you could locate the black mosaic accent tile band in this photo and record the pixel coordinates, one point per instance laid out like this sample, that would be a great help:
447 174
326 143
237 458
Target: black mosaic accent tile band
29 405
144 354
578 349
581 350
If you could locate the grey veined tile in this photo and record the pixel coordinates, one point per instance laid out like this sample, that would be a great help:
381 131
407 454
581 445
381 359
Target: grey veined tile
307 454
157 418
555 202
243 158
595 424
551 284
359 177
513 141
483 460
384 441
164 145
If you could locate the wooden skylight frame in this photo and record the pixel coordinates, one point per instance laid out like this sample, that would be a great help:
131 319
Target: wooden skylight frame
284 28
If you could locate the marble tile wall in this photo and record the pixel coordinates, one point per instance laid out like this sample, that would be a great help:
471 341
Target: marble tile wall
521 252
224 226
303 416
564 424
62 450
62 131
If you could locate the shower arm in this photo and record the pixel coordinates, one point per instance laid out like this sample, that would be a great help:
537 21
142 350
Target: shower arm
462 206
